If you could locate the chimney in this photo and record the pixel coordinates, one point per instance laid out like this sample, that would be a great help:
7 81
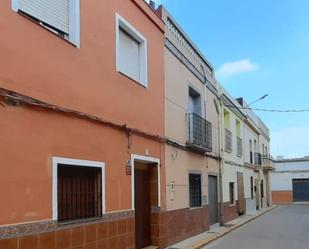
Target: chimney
152 4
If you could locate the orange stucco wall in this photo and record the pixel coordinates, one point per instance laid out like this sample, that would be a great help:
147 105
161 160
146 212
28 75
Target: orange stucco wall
282 196
39 64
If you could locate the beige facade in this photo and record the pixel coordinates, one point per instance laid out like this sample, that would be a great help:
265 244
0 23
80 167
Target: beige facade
246 159
191 127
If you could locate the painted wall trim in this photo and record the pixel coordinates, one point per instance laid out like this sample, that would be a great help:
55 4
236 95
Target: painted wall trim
144 159
73 162
143 49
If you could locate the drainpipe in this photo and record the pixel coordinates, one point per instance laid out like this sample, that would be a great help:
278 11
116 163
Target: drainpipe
219 110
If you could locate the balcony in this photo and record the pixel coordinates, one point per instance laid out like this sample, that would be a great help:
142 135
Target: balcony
199 133
239 147
268 164
257 159
228 141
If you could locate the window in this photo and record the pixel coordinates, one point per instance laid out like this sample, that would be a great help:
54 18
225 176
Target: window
78 191
131 52
251 187
59 16
232 197
195 102
195 190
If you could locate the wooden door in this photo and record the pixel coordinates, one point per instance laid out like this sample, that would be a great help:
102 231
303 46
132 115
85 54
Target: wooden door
142 206
241 193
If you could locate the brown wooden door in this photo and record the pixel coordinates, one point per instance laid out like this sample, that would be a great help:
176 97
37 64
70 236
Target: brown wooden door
241 193
142 206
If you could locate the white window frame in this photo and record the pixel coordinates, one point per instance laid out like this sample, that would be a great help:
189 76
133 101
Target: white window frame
73 162
144 159
74 25
122 23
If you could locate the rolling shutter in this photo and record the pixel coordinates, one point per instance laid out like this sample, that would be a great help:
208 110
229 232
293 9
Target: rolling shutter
129 61
53 12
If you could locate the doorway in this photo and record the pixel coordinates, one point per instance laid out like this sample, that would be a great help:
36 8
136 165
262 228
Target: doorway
241 193
146 196
257 194
213 199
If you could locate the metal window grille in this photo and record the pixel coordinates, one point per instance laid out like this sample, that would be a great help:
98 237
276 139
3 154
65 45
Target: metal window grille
200 131
257 159
79 192
195 188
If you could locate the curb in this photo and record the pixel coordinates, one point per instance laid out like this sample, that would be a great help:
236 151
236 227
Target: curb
200 244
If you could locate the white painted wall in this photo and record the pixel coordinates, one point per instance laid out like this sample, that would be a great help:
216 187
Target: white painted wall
284 166
283 180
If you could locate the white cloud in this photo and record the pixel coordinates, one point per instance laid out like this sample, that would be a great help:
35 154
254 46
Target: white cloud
234 68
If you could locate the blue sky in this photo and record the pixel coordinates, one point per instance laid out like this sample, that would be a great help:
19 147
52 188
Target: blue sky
257 47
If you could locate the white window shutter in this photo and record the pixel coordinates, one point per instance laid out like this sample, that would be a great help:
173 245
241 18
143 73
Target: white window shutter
129 57
56 13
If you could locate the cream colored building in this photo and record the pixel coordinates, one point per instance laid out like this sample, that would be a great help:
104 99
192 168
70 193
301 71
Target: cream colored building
191 126
246 161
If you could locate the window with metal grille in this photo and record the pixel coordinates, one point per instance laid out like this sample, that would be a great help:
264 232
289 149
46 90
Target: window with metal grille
195 189
79 192
232 196
59 16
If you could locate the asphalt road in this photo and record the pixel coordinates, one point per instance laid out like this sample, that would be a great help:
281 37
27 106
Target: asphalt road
286 227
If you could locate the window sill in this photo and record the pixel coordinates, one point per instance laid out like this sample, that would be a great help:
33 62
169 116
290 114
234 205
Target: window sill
194 208
130 78
71 222
232 205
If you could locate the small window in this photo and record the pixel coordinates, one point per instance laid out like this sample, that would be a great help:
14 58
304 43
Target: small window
59 16
79 192
195 189
131 52
232 196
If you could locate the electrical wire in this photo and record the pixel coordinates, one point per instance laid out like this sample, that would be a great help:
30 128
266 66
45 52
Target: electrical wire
269 110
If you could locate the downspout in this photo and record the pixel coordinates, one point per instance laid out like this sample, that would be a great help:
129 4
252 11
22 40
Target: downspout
219 109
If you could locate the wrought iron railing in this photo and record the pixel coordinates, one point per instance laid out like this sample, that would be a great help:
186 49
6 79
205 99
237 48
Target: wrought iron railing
239 147
199 132
228 140
257 159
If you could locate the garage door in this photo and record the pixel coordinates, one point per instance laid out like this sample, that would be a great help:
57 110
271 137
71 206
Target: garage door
300 190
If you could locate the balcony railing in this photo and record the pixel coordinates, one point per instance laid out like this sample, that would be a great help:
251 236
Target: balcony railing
257 159
228 141
199 133
239 147
268 164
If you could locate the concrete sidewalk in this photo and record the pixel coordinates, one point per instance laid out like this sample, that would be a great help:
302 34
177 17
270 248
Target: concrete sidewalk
216 231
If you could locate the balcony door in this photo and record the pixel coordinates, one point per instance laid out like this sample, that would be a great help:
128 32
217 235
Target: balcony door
195 105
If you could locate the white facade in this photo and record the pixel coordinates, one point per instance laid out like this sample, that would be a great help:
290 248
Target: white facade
286 171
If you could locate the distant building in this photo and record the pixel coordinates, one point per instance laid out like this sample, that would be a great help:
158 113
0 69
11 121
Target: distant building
290 180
